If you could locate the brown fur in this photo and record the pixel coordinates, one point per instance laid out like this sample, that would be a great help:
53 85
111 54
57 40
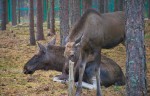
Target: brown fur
94 32
79 25
111 73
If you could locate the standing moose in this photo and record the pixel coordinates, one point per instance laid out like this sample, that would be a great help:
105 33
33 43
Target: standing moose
92 33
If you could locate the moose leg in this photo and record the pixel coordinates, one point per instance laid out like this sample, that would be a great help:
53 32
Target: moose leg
82 63
76 71
97 69
64 75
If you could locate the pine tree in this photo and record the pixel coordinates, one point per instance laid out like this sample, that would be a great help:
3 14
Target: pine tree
14 16
135 48
64 20
101 6
75 10
4 11
31 22
39 33
86 5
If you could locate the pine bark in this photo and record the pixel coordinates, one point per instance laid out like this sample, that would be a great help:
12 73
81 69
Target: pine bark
7 21
119 5
39 33
105 6
48 20
116 5
52 18
48 15
86 4
135 48
4 11
14 16
75 11
64 20
19 11
31 22
101 6
149 9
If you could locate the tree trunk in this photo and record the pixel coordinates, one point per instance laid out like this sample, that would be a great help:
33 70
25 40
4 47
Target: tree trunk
101 6
135 48
19 11
4 3
7 20
116 5
64 20
86 4
120 5
31 22
149 9
75 11
14 16
52 18
39 33
48 20
48 15
105 6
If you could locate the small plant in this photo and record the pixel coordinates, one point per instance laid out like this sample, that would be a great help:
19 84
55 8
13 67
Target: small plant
117 88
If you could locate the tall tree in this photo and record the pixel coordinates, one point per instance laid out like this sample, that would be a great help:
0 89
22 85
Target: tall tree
31 22
149 9
105 6
86 4
14 16
75 10
48 15
119 5
39 33
7 21
64 20
52 18
4 21
101 6
116 5
19 10
135 48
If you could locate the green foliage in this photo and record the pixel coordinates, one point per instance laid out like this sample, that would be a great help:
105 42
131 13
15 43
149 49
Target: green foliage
117 88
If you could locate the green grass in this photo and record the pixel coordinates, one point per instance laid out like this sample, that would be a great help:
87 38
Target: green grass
147 36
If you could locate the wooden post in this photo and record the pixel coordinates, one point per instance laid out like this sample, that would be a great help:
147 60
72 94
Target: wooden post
71 79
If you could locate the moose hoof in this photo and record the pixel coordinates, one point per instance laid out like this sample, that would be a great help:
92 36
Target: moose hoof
63 77
77 94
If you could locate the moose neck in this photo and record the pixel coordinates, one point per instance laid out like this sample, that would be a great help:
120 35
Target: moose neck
57 60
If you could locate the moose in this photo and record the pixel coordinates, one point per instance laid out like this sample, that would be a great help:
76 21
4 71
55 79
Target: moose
51 58
92 33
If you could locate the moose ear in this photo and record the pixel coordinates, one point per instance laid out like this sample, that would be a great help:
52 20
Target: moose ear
66 39
77 45
41 47
52 42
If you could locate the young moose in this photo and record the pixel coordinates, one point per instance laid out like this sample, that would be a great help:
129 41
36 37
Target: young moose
51 58
92 33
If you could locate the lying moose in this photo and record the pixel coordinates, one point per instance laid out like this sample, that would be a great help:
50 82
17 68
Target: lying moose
51 58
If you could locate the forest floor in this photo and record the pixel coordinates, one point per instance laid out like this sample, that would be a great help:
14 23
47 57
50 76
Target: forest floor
15 51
